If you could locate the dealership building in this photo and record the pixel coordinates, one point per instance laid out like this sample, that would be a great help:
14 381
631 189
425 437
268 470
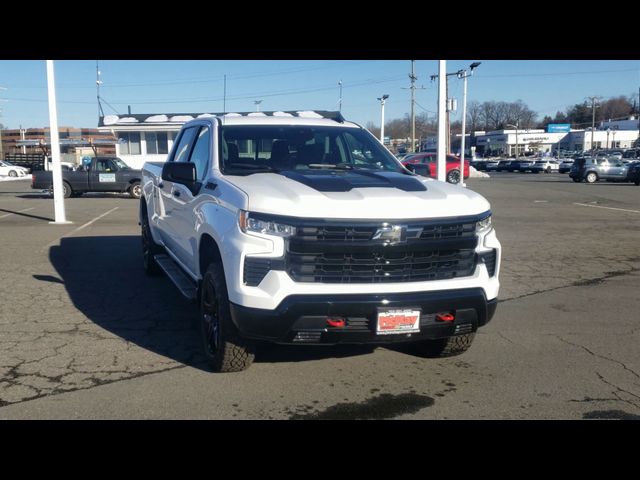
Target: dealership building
620 134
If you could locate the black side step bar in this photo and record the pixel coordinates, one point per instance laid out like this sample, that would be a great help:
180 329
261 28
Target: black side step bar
184 283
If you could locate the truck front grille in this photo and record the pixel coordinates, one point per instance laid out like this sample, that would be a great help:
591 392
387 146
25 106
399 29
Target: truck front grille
385 265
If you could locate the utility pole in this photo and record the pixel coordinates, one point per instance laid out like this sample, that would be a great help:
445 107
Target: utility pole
98 83
593 117
413 78
1 127
442 106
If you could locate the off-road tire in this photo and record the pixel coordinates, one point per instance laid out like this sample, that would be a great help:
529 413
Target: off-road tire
224 348
149 249
447 347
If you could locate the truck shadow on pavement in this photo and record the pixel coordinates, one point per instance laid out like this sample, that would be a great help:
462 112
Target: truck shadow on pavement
104 279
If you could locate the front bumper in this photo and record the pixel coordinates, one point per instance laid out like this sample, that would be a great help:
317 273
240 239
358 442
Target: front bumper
303 318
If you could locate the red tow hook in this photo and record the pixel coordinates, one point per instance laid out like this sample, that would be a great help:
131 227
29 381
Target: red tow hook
445 317
336 322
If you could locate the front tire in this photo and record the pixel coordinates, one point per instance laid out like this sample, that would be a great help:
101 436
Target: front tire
135 190
13 173
453 176
149 249
224 348
447 347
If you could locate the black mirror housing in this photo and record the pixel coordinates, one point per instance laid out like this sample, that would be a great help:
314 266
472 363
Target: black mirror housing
179 172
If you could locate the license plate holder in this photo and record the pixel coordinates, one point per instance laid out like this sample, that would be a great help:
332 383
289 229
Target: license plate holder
398 320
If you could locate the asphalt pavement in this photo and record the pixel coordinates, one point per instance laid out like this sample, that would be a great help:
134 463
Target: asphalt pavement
85 334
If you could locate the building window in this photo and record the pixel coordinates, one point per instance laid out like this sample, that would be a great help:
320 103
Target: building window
129 143
157 143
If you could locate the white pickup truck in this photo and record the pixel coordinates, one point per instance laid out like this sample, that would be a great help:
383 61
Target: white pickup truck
301 228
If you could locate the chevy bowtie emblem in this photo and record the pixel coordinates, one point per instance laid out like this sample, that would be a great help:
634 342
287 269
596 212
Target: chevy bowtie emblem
391 234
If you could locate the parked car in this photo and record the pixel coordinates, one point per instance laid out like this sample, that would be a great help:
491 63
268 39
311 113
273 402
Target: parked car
101 174
566 165
11 170
633 174
546 166
592 170
425 164
525 165
631 154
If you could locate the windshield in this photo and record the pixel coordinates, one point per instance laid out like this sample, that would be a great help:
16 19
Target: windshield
254 149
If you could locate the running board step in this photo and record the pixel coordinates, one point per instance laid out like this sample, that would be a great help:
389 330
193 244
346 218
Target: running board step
186 286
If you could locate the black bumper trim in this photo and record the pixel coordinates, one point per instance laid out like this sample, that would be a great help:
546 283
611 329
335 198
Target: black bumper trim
306 314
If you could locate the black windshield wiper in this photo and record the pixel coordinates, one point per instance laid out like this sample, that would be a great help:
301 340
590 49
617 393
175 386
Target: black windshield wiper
332 166
252 167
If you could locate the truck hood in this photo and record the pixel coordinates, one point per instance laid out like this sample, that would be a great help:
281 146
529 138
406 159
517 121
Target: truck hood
355 194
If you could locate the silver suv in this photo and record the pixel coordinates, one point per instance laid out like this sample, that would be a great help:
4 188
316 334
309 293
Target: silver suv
592 170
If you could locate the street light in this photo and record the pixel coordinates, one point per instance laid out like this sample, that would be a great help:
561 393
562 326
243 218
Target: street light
382 102
516 127
257 104
340 99
464 75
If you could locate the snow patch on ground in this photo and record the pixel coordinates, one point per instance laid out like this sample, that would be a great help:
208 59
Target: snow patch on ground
473 173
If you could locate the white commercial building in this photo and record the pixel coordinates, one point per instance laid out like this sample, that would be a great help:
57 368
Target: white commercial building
504 142
144 137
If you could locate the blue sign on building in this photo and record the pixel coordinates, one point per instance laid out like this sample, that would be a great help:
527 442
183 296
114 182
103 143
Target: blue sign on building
558 128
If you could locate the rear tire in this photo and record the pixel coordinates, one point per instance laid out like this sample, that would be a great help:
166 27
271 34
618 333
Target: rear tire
447 347
591 177
224 348
66 190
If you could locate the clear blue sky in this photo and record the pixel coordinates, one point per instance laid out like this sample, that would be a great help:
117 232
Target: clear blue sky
197 86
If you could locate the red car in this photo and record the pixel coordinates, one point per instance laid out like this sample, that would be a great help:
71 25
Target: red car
425 164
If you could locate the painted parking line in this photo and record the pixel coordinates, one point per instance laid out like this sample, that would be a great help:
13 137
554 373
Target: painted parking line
81 227
19 211
607 208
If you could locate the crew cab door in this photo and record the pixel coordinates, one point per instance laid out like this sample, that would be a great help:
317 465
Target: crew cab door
174 227
184 216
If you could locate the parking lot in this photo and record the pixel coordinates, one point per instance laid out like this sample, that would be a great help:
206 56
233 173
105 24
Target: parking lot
85 334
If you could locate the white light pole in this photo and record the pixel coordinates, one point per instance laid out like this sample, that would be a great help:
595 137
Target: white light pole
257 103
382 99
58 194
463 74
516 127
340 99
442 113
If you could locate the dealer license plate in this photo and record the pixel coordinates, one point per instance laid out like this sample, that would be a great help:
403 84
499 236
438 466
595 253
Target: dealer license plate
394 321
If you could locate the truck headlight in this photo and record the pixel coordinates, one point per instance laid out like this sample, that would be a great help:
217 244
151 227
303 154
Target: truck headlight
484 225
250 223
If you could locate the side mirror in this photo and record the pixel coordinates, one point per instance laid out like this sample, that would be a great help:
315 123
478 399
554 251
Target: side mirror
183 173
410 167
